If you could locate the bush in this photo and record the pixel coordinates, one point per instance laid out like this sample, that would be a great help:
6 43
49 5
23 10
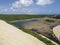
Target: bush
49 20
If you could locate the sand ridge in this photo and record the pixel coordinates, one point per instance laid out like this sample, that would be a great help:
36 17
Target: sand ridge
10 35
56 31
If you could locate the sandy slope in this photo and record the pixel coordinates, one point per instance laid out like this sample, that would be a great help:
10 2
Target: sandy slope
56 31
10 35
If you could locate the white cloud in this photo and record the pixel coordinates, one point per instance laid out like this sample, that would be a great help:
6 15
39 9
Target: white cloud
5 10
20 3
26 2
16 4
44 2
11 8
22 6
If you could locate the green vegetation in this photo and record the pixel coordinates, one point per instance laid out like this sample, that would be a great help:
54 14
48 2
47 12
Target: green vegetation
24 16
21 16
49 20
57 17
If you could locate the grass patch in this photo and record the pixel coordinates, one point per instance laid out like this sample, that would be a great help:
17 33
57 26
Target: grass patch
49 20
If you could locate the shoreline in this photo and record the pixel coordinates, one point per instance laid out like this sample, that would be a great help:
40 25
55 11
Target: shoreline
24 20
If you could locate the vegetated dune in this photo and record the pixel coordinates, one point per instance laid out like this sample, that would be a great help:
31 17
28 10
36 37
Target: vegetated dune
10 35
56 31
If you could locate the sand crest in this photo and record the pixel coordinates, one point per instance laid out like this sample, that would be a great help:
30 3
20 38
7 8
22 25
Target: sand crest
56 31
10 35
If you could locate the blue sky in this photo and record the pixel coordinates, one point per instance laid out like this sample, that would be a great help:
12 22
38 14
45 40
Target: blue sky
29 6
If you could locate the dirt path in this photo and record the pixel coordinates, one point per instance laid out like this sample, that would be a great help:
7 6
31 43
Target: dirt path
10 35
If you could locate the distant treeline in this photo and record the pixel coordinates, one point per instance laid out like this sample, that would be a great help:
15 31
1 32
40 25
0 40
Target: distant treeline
55 16
21 17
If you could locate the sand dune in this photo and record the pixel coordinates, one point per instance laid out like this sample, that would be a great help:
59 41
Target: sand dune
10 35
56 31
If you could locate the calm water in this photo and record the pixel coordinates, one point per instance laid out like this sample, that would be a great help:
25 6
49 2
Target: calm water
22 23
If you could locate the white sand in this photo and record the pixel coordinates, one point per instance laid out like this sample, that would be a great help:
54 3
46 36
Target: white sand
56 31
10 35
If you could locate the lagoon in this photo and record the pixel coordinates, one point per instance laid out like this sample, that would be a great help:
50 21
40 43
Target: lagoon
22 23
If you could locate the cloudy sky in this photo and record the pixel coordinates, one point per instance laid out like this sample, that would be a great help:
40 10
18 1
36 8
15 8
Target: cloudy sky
29 6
